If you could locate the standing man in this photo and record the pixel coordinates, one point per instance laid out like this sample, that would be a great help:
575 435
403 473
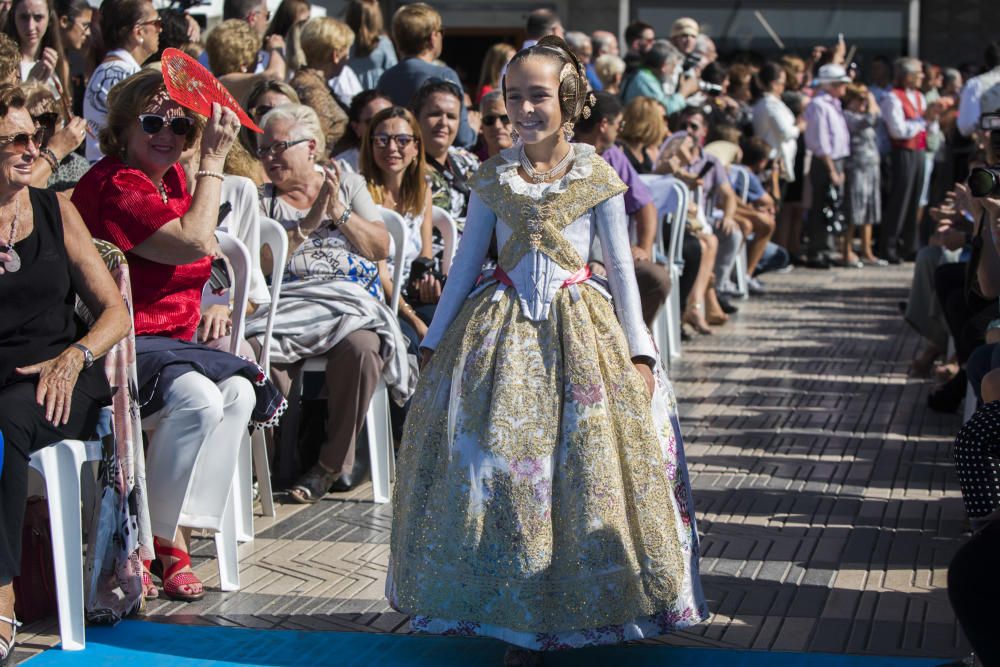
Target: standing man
604 43
639 38
580 44
981 94
541 22
270 60
829 141
907 118
416 31
684 35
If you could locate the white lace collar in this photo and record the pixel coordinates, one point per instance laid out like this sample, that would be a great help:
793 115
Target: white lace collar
507 171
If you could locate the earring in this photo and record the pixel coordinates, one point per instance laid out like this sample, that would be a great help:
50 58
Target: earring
141 40
514 136
567 130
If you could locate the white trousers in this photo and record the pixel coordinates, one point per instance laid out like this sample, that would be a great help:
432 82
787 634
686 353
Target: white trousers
194 444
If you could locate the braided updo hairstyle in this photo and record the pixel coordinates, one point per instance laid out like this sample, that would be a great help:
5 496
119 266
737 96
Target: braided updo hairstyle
573 86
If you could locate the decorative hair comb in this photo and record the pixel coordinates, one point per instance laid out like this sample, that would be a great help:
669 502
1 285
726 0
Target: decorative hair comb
195 88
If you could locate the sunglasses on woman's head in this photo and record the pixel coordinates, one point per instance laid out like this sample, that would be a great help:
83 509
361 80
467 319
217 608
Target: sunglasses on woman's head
19 142
152 123
47 120
491 119
382 140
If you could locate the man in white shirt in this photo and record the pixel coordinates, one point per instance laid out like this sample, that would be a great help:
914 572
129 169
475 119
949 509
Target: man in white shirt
981 94
907 118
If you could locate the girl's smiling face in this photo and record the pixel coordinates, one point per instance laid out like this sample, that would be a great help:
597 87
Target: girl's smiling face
532 98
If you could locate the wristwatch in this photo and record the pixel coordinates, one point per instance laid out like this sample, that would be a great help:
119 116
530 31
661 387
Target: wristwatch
88 356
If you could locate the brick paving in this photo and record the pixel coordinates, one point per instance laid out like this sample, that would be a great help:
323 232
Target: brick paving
824 488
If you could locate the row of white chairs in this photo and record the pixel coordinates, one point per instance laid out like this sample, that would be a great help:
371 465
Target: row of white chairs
60 465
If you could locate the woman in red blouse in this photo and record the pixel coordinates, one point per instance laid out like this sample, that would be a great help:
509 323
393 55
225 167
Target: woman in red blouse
137 198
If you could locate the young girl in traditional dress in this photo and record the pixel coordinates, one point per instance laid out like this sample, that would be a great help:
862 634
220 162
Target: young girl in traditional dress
542 495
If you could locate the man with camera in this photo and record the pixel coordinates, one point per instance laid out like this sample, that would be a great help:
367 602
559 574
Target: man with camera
659 66
907 118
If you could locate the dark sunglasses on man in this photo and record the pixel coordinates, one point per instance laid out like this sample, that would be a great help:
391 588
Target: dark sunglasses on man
152 123
493 118
48 120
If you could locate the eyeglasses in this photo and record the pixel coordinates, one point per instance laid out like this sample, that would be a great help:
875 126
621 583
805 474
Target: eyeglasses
19 142
152 123
382 140
277 148
46 120
157 23
491 119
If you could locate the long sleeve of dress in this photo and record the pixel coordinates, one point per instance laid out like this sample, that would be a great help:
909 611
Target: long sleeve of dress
612 229
465 269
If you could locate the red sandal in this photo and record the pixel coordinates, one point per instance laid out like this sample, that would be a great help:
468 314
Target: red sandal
173 579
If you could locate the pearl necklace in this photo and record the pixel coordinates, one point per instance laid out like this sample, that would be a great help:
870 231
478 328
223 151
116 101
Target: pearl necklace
536 176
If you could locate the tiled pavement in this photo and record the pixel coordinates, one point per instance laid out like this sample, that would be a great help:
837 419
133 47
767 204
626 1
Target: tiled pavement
824 489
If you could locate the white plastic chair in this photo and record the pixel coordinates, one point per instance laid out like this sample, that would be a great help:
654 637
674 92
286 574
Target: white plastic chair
742 188
238 257
449 236
377 423
272 235
670 196
60 466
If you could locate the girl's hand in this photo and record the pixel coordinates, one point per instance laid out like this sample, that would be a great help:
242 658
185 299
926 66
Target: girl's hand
45 66
647 376
56 379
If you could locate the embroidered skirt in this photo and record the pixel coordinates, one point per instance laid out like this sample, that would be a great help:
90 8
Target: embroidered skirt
542 498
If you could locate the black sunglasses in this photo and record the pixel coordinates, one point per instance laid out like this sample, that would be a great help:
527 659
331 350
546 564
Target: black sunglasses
491 119
152 123
382 140
261 109
47 120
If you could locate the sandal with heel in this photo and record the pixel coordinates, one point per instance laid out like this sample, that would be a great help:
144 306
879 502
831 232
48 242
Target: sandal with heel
149 589
7 645
173 579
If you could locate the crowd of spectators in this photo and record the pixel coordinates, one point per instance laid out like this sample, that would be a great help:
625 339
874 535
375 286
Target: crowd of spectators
789 161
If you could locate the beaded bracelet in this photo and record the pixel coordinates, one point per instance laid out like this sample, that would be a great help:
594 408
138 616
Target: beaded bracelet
212 174
49 157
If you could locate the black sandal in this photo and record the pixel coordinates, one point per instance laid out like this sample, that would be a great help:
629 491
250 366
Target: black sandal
7 645
313 485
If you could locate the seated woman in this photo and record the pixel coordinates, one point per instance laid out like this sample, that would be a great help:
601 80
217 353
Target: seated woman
437 106
198 400
335 239
60 166
495 125
51 388
643 130
392 161
364 105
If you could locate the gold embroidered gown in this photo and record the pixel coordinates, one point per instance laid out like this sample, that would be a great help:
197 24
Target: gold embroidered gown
542 497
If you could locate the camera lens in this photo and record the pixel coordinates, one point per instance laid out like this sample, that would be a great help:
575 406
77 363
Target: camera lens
982 181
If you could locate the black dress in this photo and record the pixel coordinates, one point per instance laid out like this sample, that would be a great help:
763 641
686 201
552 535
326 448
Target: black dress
37 322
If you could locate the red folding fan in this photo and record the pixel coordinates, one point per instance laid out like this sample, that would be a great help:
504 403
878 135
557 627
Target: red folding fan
195 88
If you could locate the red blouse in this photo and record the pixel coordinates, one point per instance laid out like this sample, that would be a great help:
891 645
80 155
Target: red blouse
122 205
